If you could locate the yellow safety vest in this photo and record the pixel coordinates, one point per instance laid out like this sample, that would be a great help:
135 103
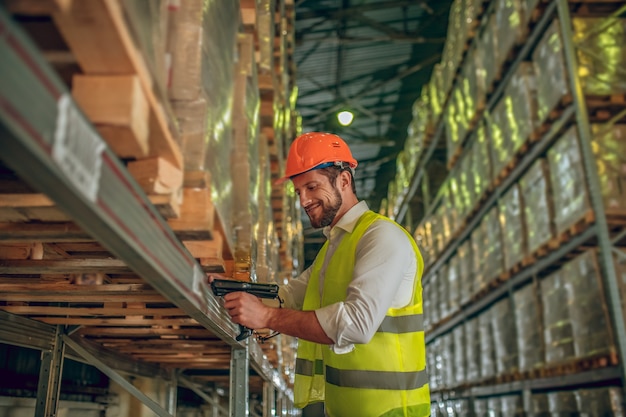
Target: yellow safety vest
385 377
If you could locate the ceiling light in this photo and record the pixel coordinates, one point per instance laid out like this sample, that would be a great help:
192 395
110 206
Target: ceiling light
345 117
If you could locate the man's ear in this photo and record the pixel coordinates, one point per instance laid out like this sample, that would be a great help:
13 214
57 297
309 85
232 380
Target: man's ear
345 178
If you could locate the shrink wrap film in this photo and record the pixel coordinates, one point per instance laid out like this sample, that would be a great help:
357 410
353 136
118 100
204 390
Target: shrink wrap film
472 84
601 58
557 323
511 28
513 227
482 167
438 373
443 286
587 306
488 47
435 305
466 197
538 211
447 360
459 364
481 408
609 148
487 345
520 98
567 178
436 93
453 284
202 40
501 152
479 259
606 401
466 275
512 405
455 123
540 405
504 337
473 350
427 300
494 406
148 23
563 403
431 363
529 333
492 246
549 64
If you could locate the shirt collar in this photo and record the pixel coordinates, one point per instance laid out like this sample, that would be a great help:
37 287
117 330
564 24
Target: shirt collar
348 221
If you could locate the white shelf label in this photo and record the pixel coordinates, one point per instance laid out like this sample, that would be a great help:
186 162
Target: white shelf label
77 149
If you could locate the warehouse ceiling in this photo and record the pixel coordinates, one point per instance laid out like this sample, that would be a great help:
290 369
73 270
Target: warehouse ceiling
371 57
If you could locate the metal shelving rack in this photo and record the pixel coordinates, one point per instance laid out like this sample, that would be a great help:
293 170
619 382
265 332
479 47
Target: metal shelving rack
598 232
39 128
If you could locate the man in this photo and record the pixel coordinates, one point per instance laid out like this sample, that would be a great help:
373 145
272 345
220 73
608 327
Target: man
357 311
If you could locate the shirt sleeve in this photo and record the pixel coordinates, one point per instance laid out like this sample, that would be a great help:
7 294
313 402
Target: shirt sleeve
384 275
293 293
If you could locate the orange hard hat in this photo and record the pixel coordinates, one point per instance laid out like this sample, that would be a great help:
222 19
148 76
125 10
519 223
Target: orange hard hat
316 150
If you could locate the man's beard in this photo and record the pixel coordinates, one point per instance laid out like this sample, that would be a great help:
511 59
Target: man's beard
328 213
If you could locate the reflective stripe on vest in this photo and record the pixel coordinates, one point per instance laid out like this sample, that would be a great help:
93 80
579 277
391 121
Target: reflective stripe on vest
402 324
376 379
306 367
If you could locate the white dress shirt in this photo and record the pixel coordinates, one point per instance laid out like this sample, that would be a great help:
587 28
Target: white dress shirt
383 278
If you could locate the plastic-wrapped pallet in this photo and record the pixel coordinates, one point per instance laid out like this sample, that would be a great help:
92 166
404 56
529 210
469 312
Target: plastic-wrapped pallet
557 324
609 148
457 208
513 227
439 223
494 406
472 84
563 403
459 364
433 294
450 219
512 406
436 93
600 62
601 401
433 362
567 179
472 349
549 64
540 406
529 333
488 45
465 196
510 27
427 304
520 96
447 360
442 288
455 121
438 372
477 239
500 150
481 161
454 284
538 212
487 347
587 306
492 246
202 40
504 337
458 407
466 277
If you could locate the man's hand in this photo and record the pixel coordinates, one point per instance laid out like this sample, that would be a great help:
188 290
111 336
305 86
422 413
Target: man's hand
247 310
